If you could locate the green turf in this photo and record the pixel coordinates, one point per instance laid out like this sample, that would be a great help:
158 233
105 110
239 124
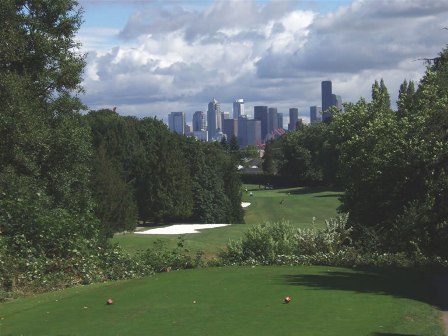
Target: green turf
234 301
296 205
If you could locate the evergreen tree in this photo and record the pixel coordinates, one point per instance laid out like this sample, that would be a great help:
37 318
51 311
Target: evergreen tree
45 152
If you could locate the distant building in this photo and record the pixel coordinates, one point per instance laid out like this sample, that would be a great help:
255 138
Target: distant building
329 99
176 122
230 128
327 95
338 102
315 114
293 118
238 108
272 120
213 120
280 120
242 131
199 121
261 114
201 135
254 132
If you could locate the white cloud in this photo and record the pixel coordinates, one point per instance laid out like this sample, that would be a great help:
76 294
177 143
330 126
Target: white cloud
174 58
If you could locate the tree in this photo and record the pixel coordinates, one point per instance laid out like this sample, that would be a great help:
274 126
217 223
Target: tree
405 98
393 167
115 144
45 156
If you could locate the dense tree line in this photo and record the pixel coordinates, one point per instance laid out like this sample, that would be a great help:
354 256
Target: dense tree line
143 171
391 165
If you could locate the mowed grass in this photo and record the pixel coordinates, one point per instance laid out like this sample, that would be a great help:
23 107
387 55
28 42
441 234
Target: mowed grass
298 206
235 301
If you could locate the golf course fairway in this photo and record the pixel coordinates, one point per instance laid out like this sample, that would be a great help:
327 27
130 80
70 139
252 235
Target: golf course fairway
235 301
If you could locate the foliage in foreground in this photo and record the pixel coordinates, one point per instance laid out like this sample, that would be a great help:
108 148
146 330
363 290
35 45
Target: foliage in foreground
30 273
282 244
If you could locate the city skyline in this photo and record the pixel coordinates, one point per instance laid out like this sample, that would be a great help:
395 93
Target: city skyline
149 58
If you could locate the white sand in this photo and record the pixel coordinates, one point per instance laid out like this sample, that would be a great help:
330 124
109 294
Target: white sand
181 229
185 228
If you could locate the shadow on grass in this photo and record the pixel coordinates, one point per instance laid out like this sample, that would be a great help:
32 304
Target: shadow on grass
328 195
391 334
311 190
424 286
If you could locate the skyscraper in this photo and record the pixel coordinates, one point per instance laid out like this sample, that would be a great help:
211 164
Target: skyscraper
254 132
176 122
230 128
280 120
242 130
213 119
272 120
329 99
199 121
238 108
293 118
315 114
327 95
261 113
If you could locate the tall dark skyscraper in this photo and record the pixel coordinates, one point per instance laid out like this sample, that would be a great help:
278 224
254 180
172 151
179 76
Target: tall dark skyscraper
329 99
261 113
293 118
242 130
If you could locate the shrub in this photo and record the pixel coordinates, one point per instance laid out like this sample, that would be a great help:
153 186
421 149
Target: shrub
262 243
334 237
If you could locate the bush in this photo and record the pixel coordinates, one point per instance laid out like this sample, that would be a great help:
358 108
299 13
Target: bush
162 259
262 243
334 237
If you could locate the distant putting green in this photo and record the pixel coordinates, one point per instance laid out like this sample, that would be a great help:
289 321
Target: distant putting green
298 206
235 301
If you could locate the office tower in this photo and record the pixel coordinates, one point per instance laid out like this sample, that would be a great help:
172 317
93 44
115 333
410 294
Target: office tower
293 117
199 121
242 130
238 108
261 113
176 122
338 102
230 128
213 119
327 95
315 114
254 132
328 99
280 120
272 120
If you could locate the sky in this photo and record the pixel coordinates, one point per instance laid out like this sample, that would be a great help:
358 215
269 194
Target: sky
148 58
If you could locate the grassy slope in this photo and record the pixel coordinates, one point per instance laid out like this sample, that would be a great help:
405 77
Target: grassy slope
234 301
296 205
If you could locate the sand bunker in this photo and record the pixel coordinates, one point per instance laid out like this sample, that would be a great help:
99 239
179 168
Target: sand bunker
181 229
245 204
